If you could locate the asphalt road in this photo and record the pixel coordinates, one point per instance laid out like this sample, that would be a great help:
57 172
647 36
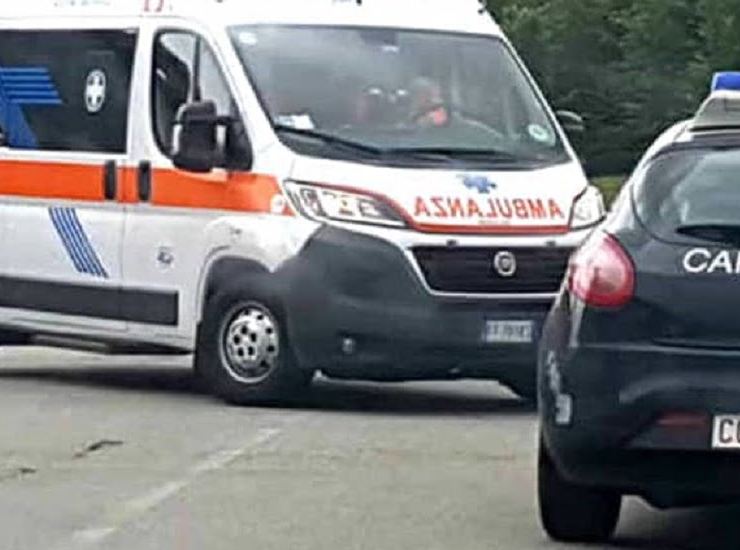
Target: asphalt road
124 453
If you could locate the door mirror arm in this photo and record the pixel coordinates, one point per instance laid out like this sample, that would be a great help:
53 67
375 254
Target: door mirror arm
238 155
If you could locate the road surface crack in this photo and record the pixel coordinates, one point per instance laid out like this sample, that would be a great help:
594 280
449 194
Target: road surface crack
17 473
97 446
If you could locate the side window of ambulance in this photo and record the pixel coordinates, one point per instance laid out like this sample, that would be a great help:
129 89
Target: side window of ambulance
186 70
66 90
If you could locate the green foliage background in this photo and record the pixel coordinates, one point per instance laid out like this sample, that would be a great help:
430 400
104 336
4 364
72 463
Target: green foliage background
630 67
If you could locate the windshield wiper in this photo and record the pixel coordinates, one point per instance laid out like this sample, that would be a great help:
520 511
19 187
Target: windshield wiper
452 153
329 138
728 233
434 154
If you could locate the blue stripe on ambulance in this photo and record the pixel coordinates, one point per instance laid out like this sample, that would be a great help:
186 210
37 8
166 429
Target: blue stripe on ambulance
21 86
76 242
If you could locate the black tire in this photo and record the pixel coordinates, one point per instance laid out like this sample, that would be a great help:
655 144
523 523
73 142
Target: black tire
279 385
573 513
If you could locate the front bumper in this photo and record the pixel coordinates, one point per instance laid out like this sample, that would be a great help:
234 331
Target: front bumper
642 417
346 287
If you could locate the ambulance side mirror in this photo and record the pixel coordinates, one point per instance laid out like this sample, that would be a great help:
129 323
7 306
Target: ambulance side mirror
571 122
194 137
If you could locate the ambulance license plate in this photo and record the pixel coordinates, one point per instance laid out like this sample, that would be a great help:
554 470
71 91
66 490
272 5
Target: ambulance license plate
726 433
509 332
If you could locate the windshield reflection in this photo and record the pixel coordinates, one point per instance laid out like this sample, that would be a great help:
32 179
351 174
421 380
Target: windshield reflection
406 92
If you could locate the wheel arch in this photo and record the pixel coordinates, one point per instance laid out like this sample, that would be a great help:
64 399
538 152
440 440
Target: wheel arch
225 271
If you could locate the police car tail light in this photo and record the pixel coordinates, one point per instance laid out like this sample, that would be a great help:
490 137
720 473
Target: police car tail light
329 203
588 209
602 274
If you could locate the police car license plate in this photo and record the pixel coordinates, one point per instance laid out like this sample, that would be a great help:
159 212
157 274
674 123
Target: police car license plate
726 433
509 332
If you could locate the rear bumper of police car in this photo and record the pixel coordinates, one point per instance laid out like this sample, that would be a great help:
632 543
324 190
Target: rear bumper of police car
640 419
361 307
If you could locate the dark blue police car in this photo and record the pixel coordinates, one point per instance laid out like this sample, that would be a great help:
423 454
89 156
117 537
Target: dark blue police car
639 368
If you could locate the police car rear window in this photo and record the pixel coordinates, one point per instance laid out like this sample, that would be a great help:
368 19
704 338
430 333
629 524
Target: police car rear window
690 192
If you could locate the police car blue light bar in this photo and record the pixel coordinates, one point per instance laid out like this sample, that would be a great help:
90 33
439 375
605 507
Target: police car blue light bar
721 110
726 81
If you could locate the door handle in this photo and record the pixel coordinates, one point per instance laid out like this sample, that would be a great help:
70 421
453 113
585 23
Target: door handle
144 180
110 180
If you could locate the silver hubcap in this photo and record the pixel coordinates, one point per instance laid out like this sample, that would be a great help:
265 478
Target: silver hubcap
251 344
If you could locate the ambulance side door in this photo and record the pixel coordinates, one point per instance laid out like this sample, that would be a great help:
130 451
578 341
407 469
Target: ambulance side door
167 228
64 104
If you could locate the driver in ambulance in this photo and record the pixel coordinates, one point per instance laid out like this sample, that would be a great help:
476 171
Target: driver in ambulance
428 107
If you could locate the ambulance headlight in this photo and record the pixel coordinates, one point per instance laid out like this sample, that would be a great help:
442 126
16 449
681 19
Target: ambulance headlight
588 209
328 203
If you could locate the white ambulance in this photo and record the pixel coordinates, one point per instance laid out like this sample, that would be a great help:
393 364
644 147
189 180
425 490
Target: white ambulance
373 189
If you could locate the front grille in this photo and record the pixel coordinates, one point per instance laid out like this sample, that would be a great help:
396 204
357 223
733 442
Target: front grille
471 270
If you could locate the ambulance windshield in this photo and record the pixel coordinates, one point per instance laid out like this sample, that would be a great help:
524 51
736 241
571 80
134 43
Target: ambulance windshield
398 95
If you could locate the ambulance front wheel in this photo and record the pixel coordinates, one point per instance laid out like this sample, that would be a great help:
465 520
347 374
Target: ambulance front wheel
243 353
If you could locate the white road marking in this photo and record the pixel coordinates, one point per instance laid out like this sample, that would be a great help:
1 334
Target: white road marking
139 506
94 536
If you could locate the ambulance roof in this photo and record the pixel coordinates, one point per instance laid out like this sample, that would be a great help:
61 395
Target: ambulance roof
448 15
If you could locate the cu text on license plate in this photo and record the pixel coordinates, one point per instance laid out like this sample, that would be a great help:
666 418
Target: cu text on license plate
726 433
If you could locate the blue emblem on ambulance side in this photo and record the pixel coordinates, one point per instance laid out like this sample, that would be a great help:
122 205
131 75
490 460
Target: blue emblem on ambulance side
76 242
482 184
21 87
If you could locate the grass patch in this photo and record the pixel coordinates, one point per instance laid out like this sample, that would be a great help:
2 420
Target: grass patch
610 186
